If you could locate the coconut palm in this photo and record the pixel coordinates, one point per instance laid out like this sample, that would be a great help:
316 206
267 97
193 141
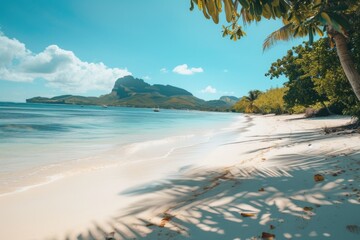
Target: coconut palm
306 19
252 96
300 17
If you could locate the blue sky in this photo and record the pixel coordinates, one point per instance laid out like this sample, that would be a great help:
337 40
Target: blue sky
53 47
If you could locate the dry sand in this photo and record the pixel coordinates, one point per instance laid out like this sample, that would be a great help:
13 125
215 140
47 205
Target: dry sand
262 184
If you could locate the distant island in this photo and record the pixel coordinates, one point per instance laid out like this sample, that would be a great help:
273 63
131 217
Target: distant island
133 92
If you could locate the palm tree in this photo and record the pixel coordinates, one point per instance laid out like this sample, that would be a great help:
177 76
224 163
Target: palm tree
252 96
300 17
306 20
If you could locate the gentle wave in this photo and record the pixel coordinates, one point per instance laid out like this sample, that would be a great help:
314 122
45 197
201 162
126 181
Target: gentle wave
33 127
120 155
69 140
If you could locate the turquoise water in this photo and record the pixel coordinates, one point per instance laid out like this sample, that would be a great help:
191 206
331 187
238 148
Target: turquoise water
39 142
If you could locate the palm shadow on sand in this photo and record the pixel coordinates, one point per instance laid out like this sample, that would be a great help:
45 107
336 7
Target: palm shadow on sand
208 205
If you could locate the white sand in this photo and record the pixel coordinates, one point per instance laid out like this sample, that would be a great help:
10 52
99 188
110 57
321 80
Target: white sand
278 155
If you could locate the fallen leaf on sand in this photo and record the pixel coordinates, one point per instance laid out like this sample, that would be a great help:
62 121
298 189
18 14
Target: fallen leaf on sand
110 236
307 209
247 214
318 178
165 220
226 175
267 236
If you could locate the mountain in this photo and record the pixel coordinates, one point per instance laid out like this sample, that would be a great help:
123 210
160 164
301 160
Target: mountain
133 92
229 99
129 86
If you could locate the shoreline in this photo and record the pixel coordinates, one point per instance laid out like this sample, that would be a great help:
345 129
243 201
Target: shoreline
117 155
267 172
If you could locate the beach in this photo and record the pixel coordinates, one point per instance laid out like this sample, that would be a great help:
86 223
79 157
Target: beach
276 177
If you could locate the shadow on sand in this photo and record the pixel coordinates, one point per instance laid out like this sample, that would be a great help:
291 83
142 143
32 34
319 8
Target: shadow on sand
209 205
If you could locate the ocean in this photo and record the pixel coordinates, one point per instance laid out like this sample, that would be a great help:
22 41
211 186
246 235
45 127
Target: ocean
41 143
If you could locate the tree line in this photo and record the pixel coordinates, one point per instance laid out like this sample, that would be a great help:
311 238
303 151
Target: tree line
323 73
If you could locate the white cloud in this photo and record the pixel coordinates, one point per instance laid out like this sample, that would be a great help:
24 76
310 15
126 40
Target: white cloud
209 89
164 70
185 70
146 78
59 67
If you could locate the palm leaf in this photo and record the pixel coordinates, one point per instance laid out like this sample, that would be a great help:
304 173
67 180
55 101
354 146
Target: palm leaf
246 16
285 33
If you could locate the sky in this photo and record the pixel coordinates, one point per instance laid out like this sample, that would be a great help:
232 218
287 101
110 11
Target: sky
80 47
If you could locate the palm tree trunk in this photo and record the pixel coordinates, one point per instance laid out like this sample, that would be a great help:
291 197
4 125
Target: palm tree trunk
347 63
327 109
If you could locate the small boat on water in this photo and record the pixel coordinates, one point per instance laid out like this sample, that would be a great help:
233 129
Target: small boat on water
156 109
104 106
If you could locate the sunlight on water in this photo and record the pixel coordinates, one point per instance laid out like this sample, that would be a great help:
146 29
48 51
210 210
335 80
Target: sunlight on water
40 143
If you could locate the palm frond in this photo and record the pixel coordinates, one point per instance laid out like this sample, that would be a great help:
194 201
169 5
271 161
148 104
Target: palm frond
246 16
284 33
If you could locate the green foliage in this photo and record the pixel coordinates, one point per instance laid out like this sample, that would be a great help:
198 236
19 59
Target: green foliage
300 18
241 105
296 67
297 109
253 95
246 103
272 101
339 18
315 77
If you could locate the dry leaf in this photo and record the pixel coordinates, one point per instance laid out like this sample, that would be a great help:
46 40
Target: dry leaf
247 214
318 178
164 221
308 209
267 236
167 218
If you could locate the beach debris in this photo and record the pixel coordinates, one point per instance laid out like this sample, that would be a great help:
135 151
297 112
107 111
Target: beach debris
353 229
309 145
307 209
226 175
261 189
247 214
211 186
263 159
267 236
110 236
318 178
272 227
167 218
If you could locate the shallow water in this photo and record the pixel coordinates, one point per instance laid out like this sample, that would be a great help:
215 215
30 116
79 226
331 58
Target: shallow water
40 143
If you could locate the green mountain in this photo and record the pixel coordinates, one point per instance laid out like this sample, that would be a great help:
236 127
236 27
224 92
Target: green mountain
133 92
231 100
